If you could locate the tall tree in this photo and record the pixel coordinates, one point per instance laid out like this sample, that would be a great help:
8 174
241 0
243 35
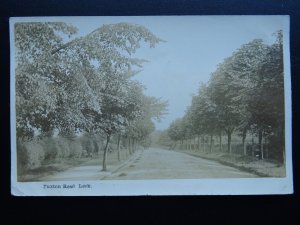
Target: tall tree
222 92
78 84
175 131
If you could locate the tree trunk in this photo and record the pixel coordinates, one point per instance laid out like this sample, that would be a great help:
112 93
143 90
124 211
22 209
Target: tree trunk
211 143
119 153
126 150
262 147
244 141
252 147
105 153
193 143
207 141
283 155
281 143
267 150
229 141
282 137
129 145
174 146
260 143
220 137
133 144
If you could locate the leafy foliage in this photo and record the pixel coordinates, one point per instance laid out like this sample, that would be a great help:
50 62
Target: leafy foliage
81 84
245 93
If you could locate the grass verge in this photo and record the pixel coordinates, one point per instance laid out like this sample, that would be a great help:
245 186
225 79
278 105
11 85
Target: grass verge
50 169
261 168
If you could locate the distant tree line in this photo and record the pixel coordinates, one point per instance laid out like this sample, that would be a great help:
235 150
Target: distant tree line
70 84
245 95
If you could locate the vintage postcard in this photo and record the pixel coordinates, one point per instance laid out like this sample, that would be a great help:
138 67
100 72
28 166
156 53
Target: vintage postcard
150 105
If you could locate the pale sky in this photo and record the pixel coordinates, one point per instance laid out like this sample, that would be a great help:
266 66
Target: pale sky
194 46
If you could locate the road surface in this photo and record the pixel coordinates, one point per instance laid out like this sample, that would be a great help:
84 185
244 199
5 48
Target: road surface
152 163
157 163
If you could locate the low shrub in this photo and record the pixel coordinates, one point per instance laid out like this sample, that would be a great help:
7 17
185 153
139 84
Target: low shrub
50 147
30 155
76 150
87 144
63 146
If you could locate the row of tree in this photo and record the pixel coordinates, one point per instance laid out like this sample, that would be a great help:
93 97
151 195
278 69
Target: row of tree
245 94
74 84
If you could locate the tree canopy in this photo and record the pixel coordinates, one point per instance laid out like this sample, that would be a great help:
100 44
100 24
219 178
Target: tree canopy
71 84
244 93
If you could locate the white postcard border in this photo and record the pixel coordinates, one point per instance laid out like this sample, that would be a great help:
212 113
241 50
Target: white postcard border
233 186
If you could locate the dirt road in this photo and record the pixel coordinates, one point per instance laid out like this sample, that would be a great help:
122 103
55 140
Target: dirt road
152 163
157 163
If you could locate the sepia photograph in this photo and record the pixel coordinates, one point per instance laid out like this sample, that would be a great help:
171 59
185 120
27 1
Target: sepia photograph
150 105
